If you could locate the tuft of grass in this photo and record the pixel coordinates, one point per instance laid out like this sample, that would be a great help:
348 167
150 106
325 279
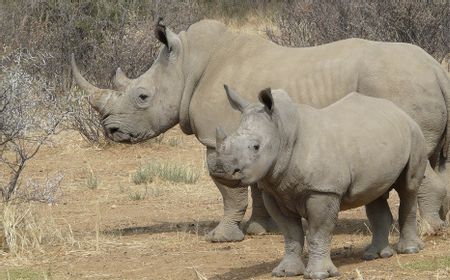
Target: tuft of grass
142 176
430 264
135 196
171 172
91 179
173 142
149 191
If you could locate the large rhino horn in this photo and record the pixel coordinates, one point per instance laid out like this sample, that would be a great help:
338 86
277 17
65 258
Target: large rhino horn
121 80
97 97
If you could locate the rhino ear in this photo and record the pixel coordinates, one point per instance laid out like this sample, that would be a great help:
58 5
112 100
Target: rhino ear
164 35
160 31
236 101
265 97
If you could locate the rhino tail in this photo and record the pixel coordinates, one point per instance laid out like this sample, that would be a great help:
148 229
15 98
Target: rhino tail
444 83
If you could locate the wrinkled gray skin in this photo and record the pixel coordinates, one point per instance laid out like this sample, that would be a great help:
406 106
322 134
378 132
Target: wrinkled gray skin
184 85
312 163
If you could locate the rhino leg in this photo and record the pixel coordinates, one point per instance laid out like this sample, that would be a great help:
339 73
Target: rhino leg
322 213
235 202
409 241
431 195
444 175
407 187
260 221
380 218
292 263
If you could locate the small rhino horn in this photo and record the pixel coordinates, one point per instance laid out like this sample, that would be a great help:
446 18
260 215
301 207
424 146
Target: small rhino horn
121 81
220 136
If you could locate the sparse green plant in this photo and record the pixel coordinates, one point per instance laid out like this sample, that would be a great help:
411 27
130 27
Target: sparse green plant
91 179
138 195
142 176
173 142
178 173
171 172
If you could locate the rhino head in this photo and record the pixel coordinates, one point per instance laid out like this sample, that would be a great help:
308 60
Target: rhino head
144 107
249 153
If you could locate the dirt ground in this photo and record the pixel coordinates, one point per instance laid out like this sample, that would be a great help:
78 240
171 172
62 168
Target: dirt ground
120 230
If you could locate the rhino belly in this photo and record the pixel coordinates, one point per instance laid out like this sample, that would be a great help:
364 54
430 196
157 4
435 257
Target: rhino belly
364 194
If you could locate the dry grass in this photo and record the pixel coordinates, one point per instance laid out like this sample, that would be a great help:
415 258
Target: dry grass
27 234
200 276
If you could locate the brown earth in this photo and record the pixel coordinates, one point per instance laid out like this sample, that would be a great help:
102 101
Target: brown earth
160 234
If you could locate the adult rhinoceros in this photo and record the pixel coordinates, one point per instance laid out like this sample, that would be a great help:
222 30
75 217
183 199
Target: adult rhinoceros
184 85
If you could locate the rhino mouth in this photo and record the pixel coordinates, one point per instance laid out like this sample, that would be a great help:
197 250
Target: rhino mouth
225 180
117 135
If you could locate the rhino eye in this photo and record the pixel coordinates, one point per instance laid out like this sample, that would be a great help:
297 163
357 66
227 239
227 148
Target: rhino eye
256 147
143 97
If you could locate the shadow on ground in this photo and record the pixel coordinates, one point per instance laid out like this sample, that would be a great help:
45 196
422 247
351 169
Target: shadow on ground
352 226
340 257
197 227
344 226
247 272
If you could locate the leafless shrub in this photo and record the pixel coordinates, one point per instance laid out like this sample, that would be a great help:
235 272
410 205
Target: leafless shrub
309 23
44 191
103 35
84 119
237 8
29 116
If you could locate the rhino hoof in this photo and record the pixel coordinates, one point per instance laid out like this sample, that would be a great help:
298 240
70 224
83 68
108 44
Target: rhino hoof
372 253
387 252
319 271
410 250
432 226
225 232
410 247
289 266
261 226
320 274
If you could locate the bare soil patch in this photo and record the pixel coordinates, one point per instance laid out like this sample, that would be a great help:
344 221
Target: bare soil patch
156 230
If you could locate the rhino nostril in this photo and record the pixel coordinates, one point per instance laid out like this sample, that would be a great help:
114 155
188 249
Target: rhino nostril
113 130
237 170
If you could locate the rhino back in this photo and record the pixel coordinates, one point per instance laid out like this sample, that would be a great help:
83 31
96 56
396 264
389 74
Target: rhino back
360 145
318 76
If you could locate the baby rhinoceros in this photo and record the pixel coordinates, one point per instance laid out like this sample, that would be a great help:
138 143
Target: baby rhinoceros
312 163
